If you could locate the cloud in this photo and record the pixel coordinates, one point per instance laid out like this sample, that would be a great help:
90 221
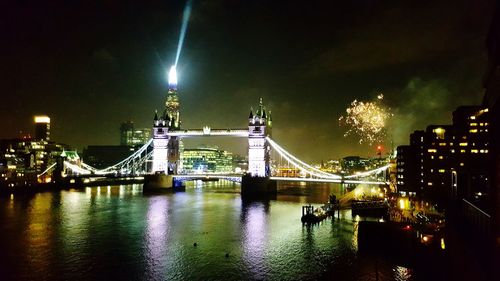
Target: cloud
423 102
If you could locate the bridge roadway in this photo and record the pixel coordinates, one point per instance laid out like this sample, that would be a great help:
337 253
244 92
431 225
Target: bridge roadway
237 178
207 131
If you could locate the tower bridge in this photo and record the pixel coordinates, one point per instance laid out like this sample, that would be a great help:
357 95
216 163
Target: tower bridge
158 160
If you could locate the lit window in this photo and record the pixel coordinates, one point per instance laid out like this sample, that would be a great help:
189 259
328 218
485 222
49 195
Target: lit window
429 183
440 157
453 151
473 151
461 164
463 144
431 150
473 131
442 144
432 156
473 118
473 124
442 170
462 150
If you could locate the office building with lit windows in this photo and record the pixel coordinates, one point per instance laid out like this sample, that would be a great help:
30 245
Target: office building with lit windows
447 160
131 136
206 160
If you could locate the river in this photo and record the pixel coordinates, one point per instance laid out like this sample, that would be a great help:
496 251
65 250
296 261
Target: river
117 233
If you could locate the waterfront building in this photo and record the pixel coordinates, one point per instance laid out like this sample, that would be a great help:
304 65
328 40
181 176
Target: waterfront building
447 160
23 159
206 160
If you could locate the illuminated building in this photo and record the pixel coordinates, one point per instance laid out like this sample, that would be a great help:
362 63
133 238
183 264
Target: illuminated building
206 160
352 164
491 100
447 160
42 127
22 159
172 103
133 137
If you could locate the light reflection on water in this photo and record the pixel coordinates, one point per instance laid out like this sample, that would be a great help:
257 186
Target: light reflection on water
116 232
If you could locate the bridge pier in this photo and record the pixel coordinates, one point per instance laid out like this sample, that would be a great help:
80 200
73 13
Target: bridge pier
161 182
258 187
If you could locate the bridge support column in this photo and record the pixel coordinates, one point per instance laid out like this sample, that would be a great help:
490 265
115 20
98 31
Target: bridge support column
258 187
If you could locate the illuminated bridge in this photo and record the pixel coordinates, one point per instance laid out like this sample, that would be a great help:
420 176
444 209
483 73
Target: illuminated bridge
161 155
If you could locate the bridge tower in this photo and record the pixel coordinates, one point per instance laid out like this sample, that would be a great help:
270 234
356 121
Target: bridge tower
160 143
256 183
259 127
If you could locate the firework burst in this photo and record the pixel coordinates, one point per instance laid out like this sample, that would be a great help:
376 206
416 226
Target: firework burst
367 120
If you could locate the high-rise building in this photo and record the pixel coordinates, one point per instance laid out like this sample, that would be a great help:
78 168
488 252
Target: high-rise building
131 136
172 104
42 128
447 160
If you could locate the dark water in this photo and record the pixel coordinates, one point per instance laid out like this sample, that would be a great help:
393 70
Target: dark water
117 233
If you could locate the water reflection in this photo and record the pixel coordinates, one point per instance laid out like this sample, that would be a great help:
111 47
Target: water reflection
156 235
116 232
254 224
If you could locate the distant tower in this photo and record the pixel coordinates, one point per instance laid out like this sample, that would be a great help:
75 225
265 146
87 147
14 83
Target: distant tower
42 128
259 127
172 103
166 149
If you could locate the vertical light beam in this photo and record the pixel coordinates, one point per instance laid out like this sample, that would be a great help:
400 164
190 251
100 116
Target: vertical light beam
182 35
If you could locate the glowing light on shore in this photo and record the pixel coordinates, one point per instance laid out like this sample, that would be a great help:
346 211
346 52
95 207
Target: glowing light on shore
367 120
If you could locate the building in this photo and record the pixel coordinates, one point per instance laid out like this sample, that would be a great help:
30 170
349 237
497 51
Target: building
42 128
352 164
131 136
491 101
447 160
206 160
24 160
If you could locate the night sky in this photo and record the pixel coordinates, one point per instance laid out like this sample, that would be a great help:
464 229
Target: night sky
92 66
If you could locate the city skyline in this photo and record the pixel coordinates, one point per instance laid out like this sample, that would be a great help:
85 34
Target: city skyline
121 58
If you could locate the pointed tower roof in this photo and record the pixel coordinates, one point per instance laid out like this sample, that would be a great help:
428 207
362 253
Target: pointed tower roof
156 115
264 113
251 113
